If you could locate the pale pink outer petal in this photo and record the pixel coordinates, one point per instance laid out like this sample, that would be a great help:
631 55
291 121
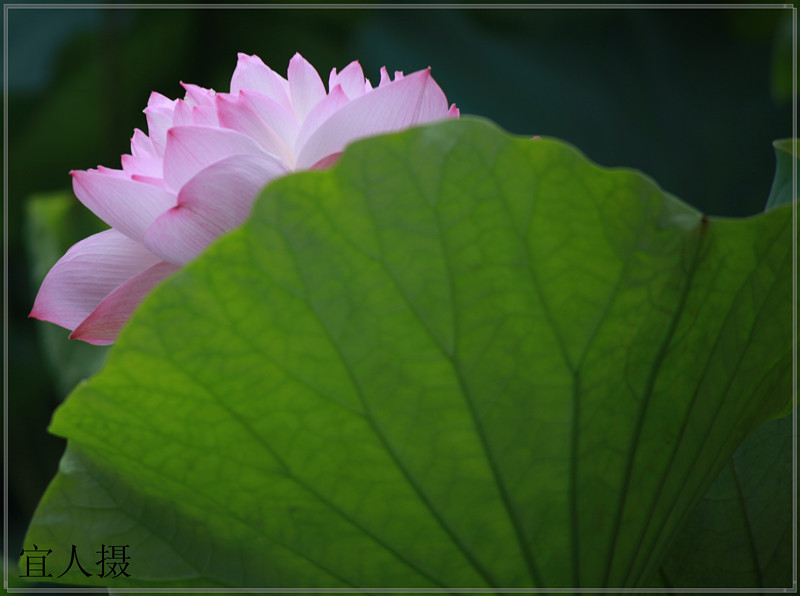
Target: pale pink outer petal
157 182
205 116
252 74
159 114
126 205
198 96
234 113
182 115
141 145
215 201
191 149
151 167
351 79
112 172
385 78
86 274
326 161
333 102
415 99
156 99
103 325
281 121
305 86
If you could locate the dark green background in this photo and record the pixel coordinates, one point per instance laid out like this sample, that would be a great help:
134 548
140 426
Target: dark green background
692 98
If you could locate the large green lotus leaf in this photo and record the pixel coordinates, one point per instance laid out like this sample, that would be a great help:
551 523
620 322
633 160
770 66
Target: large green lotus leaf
458 358
740 534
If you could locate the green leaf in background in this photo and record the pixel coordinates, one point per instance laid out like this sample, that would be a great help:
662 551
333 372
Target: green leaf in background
457 359
740 535
785 155
781 67
54 222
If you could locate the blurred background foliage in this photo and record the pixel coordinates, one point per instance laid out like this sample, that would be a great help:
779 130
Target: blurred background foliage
693 98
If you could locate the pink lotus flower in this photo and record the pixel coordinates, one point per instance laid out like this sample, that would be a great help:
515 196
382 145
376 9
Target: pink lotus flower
196 173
